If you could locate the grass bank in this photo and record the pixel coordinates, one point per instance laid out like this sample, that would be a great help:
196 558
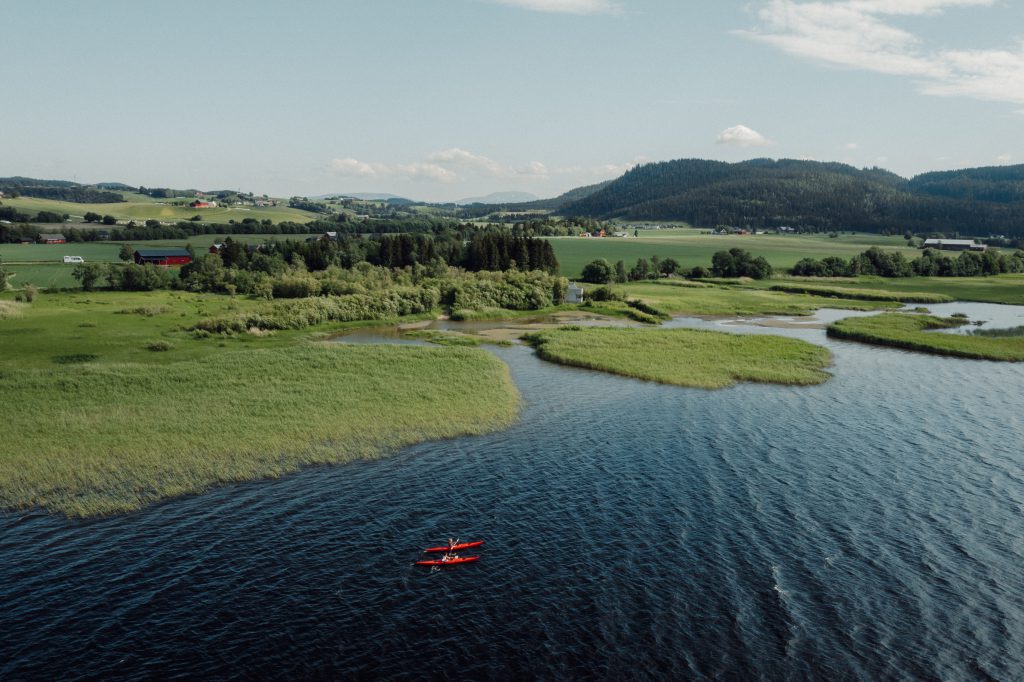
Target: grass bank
728 300
110 403
916 333
863 294
685 357
1006 289
97 438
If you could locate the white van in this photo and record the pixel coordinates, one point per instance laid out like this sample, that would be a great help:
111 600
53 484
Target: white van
73 259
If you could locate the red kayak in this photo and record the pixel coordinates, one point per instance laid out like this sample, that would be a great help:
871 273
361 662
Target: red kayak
454 548
448 562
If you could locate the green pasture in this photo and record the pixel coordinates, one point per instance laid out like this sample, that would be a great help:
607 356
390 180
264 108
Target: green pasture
171 211
685 357
43 264
691 248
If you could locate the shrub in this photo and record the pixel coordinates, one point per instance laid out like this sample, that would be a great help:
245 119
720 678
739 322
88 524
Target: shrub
159 346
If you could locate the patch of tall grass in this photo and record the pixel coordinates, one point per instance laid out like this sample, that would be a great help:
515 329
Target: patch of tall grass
97 439
916 333
685 357
863 294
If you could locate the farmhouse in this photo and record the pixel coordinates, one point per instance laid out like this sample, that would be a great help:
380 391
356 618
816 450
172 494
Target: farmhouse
203 204
954 245
574 294
164 257
52 239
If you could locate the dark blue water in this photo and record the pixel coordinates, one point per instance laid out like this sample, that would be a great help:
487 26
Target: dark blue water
869 528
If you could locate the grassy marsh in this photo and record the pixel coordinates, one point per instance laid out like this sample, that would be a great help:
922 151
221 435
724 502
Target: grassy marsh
97 438
917 333
107 411
685 357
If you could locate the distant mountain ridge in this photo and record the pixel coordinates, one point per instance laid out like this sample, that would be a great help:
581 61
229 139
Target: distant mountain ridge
813 195
499 198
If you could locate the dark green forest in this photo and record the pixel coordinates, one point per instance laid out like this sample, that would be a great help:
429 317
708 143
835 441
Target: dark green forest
813 196
59 190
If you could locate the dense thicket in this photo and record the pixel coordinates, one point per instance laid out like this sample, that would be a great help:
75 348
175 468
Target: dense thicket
811 196
288 269
60 190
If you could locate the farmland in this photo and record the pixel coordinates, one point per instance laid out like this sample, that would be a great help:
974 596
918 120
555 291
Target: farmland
141 208
692 248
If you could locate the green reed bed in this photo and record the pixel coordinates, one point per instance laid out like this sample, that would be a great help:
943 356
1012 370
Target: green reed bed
685 357
918 333
722 300
863 294
92 439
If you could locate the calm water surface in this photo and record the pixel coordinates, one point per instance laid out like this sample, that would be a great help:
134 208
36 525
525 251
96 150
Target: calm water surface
869 528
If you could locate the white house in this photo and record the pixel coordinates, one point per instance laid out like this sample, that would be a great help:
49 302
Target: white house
574 294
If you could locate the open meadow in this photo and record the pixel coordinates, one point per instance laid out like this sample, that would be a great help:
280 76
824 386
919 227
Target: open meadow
168 210
692 247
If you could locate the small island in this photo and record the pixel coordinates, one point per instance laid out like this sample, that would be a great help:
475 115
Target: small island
693 358
920 333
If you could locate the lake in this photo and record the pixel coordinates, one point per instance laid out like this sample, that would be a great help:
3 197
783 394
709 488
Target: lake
868 528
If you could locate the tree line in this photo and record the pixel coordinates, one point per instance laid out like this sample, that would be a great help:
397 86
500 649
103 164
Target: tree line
931 263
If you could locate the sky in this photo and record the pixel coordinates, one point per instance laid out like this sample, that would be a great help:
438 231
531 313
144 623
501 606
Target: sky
439 100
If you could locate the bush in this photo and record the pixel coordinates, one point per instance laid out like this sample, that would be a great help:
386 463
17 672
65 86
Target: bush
159 346
598 272
605 294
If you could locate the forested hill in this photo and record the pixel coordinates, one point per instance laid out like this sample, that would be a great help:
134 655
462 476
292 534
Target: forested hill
60 190
813 195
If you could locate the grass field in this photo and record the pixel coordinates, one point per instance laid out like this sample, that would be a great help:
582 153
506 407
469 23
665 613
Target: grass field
1008 289
861 294
691 248
685 357
723 300
111 405
152 210
43 264
916 333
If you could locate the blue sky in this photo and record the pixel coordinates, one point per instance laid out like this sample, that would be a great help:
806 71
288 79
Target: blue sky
443 99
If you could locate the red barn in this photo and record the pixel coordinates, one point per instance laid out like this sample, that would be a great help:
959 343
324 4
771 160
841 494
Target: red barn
52 239
164 257
200 204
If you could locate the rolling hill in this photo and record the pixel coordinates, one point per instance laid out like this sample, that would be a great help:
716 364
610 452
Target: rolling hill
810 195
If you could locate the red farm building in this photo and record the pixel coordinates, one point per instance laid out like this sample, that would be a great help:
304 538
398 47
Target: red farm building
164 257
52 239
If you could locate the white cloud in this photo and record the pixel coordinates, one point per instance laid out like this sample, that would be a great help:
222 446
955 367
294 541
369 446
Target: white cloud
565 6
425 172
858 34
460 158
742 136
447 166
353 168
850 146
1004 159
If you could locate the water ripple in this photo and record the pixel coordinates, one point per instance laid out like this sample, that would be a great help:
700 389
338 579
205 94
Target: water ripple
869 528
